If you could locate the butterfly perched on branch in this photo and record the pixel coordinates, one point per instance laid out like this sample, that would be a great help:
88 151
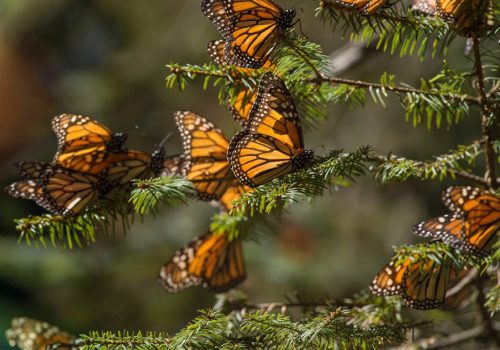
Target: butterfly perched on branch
465 15
91 163
272 144
473 224
364 7
251 28
204 160
209 261
421 282
30 334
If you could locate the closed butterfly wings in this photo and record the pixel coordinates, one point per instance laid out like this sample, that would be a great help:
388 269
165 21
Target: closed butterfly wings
251 28
272 145
473 224
421 283
210 261
465 15
204 160
84 144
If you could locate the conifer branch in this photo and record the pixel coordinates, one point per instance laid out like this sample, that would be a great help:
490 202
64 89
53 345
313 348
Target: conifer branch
486 114
147 194
397 168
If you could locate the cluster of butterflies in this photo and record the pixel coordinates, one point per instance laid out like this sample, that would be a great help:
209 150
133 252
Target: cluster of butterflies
464 15
91 165
471 227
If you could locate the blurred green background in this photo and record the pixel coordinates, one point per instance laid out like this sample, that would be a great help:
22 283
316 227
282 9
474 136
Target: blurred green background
107 59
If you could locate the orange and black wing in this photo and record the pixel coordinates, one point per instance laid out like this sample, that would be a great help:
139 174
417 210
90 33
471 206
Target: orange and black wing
205 149
449 228
209 261
251 28
30 334
365 7
465 15
127 166
272 145
84 143
481 214
60 191
32 170
421 283
173 165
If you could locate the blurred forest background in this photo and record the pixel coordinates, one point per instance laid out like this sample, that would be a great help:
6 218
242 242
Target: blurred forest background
106 59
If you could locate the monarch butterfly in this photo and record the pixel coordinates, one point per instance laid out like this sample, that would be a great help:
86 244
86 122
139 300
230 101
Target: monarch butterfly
465 15
251 28
421 283
240 107
84 143
205 162
209 261
30 334
60 191
124 167
427 7
272 145
474 224
365 7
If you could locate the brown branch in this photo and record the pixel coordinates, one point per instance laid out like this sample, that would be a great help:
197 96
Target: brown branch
487 321
485 130
396 89
455 339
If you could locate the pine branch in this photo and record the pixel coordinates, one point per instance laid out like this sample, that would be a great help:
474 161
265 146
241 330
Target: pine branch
335 169
124 340
394 29
395 168
147 194
487 136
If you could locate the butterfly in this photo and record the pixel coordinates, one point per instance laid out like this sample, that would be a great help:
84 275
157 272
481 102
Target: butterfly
84 144
210 261
427 7
30 334
245 97
473 224
365 7
60 191
205 162
465 15
251 28
421 283
272 144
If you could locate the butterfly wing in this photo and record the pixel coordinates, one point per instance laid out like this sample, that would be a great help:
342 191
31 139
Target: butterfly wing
30 334
449 228
240 108
272 145
422 284
464 14
32 170
205 149
215 11
84 143
365 7
127 166
210 261
173 165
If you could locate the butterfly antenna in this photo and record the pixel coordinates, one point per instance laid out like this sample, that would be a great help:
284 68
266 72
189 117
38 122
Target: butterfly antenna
165 139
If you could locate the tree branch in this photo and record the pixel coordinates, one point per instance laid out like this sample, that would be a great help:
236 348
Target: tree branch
485 130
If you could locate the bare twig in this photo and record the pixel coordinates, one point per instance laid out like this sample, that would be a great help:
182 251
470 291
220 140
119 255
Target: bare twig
487 321
485 130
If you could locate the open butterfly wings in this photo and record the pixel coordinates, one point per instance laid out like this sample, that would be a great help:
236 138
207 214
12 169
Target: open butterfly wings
210 261
251 28
272 145
30 334
422 285
473 225
84 143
